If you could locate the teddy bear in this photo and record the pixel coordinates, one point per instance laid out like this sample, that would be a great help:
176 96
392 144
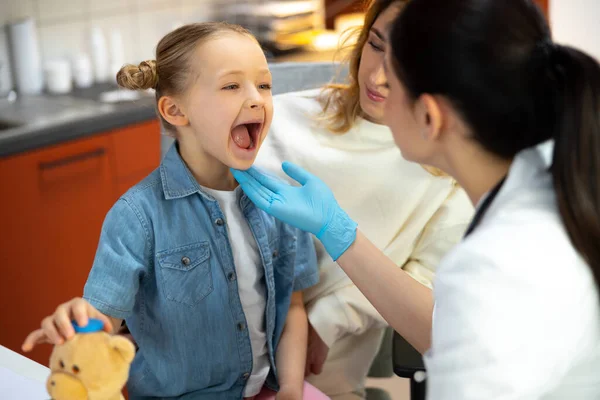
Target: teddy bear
92 365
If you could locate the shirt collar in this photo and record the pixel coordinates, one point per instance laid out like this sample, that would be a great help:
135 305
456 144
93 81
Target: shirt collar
525 169
178 181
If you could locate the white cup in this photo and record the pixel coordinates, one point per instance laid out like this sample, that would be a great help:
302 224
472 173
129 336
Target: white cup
83 73
58 76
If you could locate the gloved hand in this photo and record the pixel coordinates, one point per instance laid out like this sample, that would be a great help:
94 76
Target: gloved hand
310 207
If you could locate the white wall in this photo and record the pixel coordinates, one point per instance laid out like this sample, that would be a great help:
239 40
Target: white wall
577 23
64 25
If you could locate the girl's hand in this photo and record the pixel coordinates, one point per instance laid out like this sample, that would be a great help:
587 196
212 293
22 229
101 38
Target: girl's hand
316 353
58 327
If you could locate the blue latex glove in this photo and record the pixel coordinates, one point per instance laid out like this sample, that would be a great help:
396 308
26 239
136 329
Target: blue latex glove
310 207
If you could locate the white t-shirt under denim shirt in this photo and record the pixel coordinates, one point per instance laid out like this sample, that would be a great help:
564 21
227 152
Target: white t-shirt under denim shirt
251 284
517 312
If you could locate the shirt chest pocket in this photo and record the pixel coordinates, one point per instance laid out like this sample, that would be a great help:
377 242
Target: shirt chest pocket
185 273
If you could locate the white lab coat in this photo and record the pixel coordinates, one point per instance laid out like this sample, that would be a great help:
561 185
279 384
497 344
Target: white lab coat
517 312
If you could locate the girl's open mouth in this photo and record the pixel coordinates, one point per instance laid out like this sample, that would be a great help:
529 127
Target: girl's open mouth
246 135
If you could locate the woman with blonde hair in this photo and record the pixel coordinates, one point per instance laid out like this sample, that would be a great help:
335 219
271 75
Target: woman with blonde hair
413 214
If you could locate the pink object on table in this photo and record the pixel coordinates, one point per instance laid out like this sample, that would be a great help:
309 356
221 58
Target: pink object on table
310 393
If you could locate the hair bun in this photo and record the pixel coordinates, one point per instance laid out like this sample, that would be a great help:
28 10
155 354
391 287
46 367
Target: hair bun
140 77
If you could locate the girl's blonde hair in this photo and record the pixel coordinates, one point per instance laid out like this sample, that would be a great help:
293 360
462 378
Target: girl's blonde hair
170 73
341 102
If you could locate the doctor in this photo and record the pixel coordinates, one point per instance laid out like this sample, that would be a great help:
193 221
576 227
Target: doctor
479 90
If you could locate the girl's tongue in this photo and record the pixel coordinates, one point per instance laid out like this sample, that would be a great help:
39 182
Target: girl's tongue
241 136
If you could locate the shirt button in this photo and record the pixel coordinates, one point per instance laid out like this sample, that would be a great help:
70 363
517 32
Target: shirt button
241 326
219 221
185 260
275 253
231 276
246 376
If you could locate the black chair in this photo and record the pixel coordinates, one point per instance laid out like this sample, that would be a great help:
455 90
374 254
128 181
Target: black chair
408 363
382 367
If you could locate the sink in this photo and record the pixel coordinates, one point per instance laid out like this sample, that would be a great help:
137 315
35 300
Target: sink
4 125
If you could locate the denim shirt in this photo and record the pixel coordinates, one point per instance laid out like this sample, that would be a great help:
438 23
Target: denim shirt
164 264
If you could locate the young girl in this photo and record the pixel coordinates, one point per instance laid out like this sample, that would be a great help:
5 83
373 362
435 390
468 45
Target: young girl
208 284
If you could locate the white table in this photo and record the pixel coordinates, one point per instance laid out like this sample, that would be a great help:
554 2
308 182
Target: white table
31 372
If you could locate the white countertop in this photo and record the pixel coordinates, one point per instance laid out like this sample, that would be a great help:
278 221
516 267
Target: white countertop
20 377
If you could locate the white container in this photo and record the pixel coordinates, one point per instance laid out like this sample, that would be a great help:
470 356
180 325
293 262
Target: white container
117 53
58 76
6 84
83 73
99 53
27 61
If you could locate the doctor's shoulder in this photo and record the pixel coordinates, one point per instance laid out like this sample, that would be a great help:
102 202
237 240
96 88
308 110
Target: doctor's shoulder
524 238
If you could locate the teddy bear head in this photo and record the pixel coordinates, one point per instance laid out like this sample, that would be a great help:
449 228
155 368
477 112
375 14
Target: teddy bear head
90 366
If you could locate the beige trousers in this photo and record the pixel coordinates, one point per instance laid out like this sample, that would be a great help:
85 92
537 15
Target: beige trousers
347 365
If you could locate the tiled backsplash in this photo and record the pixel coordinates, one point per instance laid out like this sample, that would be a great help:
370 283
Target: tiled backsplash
64 25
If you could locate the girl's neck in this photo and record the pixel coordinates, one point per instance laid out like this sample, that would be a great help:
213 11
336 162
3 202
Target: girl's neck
208 171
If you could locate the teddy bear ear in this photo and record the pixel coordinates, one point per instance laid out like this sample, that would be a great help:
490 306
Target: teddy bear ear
123 346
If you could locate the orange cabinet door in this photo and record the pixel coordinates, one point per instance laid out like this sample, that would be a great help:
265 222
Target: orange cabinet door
53 203
137 153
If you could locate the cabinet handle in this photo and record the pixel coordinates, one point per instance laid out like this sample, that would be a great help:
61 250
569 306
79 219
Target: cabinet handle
72 159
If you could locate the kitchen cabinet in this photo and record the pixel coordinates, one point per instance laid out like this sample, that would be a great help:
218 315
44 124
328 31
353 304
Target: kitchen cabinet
53 203
137 153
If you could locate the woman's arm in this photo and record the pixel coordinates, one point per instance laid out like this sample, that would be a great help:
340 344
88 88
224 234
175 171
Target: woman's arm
406 304
291 352
440 234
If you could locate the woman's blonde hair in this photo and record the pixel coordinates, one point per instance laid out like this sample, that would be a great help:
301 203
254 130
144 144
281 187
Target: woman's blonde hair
341 102
170 73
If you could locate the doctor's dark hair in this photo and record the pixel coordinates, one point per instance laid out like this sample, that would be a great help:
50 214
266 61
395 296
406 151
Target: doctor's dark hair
496 63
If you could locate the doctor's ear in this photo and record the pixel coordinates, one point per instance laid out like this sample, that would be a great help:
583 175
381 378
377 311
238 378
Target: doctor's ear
429 116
